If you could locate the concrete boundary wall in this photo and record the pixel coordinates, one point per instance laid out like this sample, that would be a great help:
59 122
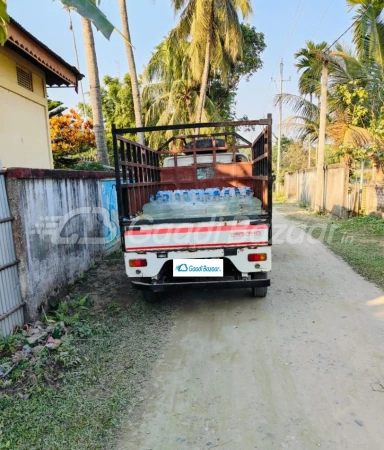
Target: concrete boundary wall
301 187
375 199
64 222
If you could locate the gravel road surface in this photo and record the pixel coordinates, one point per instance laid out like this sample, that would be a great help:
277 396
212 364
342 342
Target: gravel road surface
302 369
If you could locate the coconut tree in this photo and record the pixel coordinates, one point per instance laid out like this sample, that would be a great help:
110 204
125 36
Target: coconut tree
132 69
86 8
369 29
305 119
170 93
213 27
95 92
310 66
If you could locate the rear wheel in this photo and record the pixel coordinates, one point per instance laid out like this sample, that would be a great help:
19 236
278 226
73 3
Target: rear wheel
259 292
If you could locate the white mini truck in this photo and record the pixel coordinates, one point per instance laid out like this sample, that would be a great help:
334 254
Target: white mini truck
213 252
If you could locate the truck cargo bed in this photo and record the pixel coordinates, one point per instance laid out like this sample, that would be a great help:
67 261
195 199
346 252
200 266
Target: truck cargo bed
237 247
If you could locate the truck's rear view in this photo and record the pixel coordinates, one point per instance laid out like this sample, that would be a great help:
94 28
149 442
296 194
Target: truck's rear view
197 212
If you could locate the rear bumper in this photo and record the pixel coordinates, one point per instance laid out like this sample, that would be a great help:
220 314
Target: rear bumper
222 284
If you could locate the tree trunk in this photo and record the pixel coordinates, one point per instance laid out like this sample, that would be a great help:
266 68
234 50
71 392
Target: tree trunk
205 77
132 71
94 92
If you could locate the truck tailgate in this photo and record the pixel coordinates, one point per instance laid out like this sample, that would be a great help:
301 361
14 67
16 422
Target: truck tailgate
195 236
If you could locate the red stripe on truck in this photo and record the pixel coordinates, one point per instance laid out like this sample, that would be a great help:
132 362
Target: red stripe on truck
195 229
189 246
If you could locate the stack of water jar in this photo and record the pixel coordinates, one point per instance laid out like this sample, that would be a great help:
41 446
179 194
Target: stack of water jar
202 203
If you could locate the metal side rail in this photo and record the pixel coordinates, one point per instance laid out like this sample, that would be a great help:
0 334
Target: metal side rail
222 284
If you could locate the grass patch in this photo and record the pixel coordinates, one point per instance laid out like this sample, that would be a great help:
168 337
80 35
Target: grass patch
359 240
107 361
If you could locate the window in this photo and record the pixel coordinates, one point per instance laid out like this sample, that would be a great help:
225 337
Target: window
24 78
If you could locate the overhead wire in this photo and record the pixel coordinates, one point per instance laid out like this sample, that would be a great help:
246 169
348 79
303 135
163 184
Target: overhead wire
346 31
288 39
299 12
317 26
321 19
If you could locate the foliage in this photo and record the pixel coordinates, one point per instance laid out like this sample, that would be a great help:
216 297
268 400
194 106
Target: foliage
9 343
220 19
278 197
250 61
118 107
369 30
216 40
171 93
86 8
89 10
67 354
355 90
99 375
4 21
295 157
55 108
310 66
85 109
71 135
92 166
223 92
118 101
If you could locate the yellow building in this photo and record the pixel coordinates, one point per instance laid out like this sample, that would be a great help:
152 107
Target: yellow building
27 67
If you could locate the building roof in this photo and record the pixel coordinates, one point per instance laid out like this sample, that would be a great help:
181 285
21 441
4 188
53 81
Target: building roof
57 71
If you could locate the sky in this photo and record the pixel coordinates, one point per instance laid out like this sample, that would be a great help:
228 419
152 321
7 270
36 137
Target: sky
287 25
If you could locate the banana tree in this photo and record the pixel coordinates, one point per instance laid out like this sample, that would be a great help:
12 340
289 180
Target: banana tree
86 8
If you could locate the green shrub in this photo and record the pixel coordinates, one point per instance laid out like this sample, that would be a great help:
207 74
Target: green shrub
278 197
92 166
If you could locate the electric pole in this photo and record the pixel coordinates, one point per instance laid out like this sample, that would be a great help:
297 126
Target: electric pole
282 81
319 198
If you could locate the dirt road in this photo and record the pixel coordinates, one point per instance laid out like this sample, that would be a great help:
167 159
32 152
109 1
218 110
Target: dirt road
301 370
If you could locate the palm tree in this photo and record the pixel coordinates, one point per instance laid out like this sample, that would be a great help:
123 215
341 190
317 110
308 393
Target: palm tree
213 27
346 120
132 70
305 119
170 93
94 92
369 30
310 65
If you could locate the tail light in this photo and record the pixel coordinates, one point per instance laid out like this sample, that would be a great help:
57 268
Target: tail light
256 257
138 263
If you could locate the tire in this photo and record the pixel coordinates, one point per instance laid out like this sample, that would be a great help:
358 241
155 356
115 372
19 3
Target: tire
259 292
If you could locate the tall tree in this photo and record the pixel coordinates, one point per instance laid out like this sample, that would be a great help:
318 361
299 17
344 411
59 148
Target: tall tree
132 70
310 66
170 93
222 91
213 27
55 108
94 92
369 29
70 135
